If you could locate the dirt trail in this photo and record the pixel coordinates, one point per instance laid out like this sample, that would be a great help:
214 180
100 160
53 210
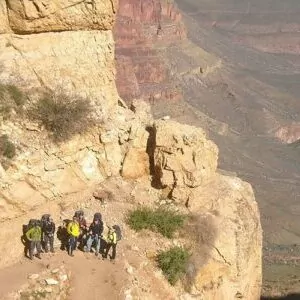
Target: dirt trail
91 277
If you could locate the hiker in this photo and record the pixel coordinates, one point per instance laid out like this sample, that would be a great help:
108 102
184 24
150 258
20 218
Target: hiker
73 231
113 236
95 234
24 238
62 234
48 229
82 226
34 236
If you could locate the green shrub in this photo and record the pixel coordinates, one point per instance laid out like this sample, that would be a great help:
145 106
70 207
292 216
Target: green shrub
7 148
160 220
61 115
173 263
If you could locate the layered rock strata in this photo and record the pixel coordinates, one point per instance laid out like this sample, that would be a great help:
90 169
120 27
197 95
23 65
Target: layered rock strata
142 29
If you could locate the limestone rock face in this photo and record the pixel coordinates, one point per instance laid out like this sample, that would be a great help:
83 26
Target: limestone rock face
28 16
183 158
72 61
4 26
79 63
227 239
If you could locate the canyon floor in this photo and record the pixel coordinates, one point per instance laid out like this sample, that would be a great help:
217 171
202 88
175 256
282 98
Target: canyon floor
244 100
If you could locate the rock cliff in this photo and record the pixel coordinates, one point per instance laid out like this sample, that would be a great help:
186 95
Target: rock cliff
74 50
65 45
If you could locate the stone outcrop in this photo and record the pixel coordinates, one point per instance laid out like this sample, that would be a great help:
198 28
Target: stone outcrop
142 29
289 134
226 237
225 233
184 159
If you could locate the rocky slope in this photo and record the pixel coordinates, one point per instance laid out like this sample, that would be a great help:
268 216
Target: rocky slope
160 158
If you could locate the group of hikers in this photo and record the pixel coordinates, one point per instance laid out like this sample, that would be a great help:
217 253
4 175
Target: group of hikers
74 234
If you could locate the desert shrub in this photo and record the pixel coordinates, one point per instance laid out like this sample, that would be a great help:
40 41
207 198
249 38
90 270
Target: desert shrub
161 220
11 100
16 95
173 263
7 148
61 115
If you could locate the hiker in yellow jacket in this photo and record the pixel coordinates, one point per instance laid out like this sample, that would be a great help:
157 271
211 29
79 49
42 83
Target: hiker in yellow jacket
73 230
111 241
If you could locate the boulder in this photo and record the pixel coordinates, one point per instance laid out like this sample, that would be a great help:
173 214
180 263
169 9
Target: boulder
183 157
136 164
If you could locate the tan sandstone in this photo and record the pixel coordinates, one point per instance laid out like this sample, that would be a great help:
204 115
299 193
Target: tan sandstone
32 16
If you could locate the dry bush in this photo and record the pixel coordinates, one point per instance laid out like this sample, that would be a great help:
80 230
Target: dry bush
12 101
61 115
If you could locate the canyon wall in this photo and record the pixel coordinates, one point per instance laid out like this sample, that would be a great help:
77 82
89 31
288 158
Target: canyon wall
142 29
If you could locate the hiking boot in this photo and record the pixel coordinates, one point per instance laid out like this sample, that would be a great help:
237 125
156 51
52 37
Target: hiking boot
52 251
38 256
96 253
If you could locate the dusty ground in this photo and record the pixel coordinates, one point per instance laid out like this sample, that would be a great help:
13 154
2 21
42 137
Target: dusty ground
134 273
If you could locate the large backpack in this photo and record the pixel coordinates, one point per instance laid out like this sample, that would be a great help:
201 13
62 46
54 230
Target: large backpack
78 213
97 216
30 224
45 218
118 232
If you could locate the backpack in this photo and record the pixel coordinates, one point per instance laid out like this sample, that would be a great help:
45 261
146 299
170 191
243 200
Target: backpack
45 218
118 232
97 216
78 213
30 224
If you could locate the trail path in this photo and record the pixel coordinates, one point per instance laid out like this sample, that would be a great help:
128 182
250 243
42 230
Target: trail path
91 277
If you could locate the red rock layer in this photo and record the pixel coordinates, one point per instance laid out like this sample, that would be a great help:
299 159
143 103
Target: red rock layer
143 27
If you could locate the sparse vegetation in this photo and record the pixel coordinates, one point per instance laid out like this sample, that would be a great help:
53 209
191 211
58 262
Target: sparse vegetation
7 148
61 115
173 263
11 101
33 295
161 220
